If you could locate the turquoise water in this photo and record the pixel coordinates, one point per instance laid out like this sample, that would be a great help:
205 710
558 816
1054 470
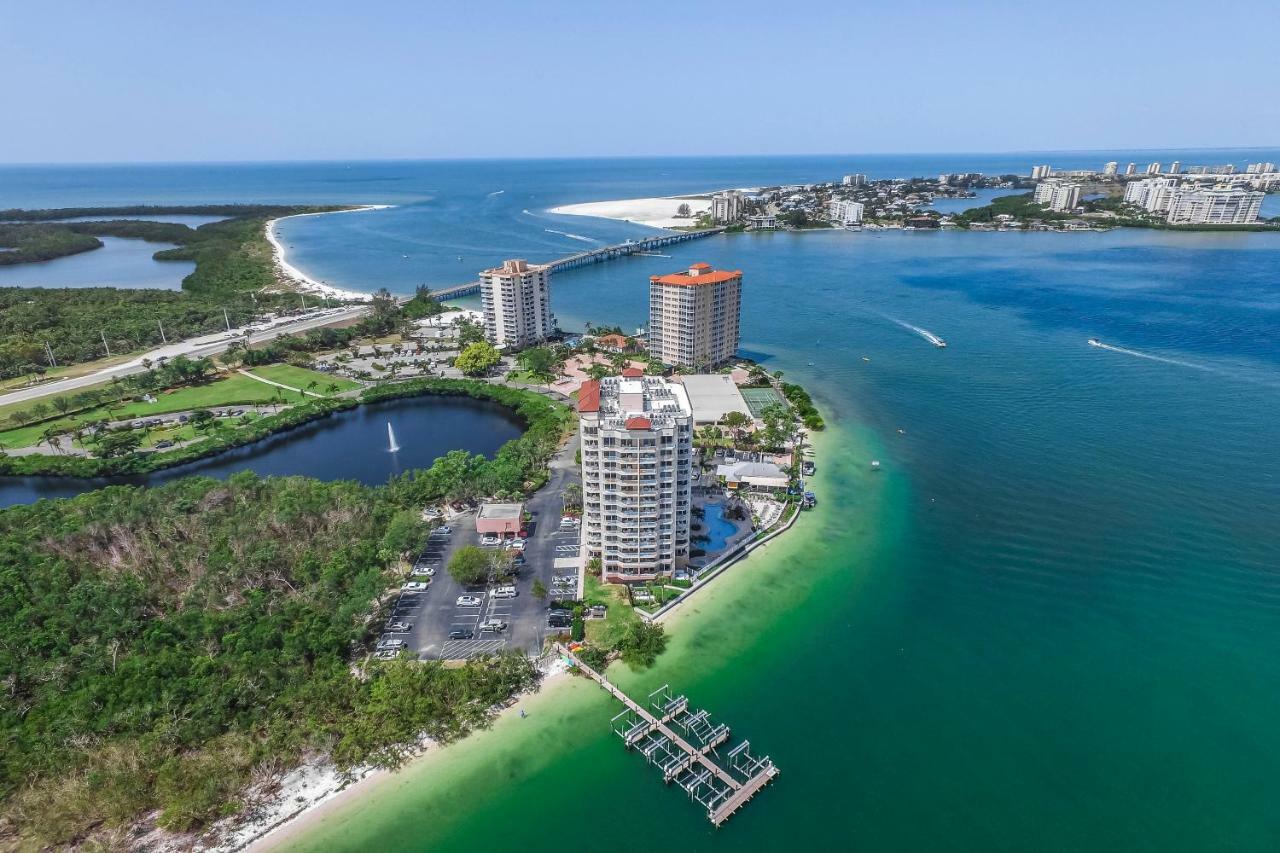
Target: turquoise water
716 528
1050 622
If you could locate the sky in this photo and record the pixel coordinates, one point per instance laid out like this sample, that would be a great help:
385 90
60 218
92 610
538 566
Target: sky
319 80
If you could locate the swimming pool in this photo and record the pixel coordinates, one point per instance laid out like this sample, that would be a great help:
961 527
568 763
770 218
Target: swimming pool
718 528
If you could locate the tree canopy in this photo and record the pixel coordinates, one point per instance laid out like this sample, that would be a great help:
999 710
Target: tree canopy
477 359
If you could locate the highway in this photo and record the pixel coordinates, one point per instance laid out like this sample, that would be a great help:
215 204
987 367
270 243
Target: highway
201 347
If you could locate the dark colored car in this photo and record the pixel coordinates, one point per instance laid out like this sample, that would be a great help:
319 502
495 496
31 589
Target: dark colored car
461 635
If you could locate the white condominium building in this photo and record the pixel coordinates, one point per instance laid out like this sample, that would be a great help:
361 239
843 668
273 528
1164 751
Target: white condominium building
637 464
1057 195
1175 167
726 207
1131 169
1151 194
517 304
1214 207
1039 172
1153 169
1110 168
845 212
856 180
694 316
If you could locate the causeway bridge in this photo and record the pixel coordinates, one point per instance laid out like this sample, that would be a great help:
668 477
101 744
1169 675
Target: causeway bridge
681 742
591 256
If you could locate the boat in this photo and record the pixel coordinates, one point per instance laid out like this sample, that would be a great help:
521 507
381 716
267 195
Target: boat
939 343
1094 342
875 464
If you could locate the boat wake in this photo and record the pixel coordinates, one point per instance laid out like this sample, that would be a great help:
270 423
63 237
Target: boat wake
571 236
924 333
496 192
1094 342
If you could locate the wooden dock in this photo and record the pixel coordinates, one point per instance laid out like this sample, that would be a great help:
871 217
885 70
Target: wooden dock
682 743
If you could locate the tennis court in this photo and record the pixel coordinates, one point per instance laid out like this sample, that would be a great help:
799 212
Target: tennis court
760 398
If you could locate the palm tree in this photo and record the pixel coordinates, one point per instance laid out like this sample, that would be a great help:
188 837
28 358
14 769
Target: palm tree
331 388
312 385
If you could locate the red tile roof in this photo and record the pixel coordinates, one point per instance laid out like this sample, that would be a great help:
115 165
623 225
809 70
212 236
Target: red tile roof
638 422
704 275
589 396
632 372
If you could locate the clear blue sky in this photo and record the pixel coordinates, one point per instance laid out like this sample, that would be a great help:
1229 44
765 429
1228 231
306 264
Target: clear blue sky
231 80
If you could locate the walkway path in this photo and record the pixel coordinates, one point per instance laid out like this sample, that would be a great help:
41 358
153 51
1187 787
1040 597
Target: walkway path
266 381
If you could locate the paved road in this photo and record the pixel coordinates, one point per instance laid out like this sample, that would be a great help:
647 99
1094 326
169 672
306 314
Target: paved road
435 614
193 348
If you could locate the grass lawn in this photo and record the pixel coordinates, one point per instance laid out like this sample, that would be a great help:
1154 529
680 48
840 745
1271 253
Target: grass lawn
604 632
301 377
234 389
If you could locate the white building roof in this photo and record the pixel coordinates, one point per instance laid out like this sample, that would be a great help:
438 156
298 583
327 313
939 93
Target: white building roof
754 474
712 396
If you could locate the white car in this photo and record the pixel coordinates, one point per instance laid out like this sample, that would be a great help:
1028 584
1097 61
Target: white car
468 601
489 539
429 571
444 528
505 592
414 586
516 544
492 625
569 521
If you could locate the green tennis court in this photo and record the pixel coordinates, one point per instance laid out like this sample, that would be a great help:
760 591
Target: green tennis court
760 398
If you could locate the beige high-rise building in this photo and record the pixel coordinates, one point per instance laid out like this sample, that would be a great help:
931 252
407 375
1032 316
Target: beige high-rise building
637 464
516 298
694 316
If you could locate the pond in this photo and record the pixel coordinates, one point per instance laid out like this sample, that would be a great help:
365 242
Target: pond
349 445
718 529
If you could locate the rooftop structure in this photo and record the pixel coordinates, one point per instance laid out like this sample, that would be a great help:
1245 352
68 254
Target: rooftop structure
1057 195
753 475
1214 207
845 212
712 396
500 519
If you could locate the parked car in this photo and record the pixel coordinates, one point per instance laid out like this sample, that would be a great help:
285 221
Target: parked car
391 643
518 560
161 445
569 521
505 592
468 601
461 634
516 544
444 528
415 586
489 539
492 626
425 571
399 627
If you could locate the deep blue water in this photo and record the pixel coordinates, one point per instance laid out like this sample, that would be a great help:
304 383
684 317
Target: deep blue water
1067 639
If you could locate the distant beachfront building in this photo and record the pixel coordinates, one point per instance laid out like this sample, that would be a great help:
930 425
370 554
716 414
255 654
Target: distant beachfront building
1214 207
1153 169
1151 194
1259 168
1057 195
845 212
636 436
1041 172
856 180
1175 167
1110 168
763 220
726 207
694 316
1131 169
516 298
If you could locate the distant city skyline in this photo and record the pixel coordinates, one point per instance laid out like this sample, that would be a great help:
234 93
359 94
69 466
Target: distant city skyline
145 82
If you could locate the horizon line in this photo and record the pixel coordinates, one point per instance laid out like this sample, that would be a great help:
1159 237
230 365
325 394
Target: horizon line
552 158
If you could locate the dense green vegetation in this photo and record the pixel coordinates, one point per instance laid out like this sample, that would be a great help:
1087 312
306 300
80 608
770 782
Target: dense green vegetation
1020 207
803 403
162 648
233 268
27 243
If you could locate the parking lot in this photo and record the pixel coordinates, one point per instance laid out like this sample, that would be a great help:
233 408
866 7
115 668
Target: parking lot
436 625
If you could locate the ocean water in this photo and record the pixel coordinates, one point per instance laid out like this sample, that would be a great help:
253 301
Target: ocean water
1050 621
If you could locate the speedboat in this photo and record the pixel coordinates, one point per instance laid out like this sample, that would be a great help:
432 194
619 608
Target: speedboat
1094 342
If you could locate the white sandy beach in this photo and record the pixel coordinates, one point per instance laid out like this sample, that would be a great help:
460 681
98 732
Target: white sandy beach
309 792
303 281
655 212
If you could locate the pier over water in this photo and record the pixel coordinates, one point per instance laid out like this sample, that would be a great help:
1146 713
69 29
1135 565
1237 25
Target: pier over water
682 744
591 256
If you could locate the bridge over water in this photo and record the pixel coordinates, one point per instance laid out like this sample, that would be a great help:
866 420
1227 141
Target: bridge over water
591 256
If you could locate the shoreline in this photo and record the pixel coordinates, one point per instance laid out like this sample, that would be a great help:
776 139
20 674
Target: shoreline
654 212
328 792
302 281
